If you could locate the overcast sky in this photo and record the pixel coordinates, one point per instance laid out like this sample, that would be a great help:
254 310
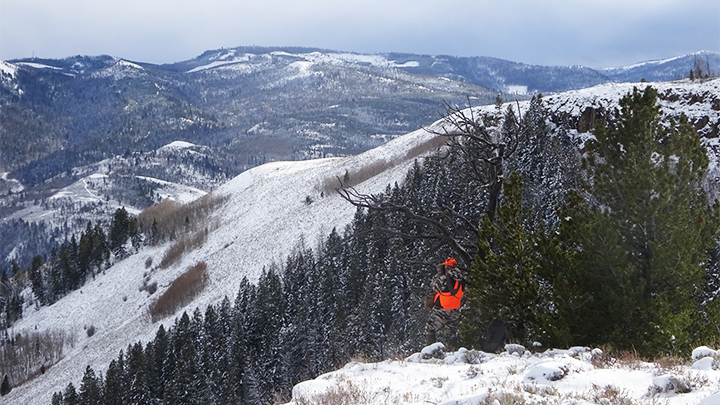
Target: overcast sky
601 33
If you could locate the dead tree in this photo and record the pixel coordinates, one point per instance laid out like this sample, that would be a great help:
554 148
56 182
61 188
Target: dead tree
483 151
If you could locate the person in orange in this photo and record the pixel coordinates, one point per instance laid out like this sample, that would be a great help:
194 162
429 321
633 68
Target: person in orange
447 287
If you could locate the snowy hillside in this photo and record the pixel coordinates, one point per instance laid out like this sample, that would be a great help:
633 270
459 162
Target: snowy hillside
266 211
271 209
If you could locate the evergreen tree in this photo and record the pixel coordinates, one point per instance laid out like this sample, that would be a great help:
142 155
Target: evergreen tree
37 283
115 387
267 312
155 355
641 237
100 251
90 392
298 336
182 386
57 282
225 382
119 232
67 269
70 396
84 255
5 387
136 375
504 287
212 346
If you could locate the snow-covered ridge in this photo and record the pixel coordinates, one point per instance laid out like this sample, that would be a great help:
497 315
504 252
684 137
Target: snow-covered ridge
228 58
653 62
120 69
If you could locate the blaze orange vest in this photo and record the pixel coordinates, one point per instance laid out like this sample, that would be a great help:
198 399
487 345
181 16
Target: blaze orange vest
450 299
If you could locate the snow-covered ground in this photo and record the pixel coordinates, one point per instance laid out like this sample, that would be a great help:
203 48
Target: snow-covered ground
266 212
577 376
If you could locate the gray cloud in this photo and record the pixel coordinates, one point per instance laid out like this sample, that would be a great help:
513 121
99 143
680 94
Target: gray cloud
598 34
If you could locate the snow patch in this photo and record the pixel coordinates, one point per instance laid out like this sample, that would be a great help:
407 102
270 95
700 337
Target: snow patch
38 65
703 351
470 377
178 145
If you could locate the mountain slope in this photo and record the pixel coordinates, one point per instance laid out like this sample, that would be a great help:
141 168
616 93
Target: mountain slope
265 211
270 209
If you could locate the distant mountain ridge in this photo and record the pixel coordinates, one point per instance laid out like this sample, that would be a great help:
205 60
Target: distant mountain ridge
242 107
489 72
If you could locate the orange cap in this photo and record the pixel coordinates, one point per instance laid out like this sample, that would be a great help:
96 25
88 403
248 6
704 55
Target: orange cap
450 262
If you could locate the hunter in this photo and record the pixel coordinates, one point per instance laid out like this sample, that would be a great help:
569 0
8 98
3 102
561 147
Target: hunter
447 292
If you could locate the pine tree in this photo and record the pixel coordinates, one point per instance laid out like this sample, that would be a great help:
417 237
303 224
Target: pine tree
90 392
299 333
84 255
5 387
37 283
57 283
642 234
119 231
100 251
115 391
183 385
70 396
267 319
136 375
236 387
503 283
67 267
156 354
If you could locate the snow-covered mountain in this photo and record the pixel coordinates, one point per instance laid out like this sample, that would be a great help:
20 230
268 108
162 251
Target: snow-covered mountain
666 69
275 207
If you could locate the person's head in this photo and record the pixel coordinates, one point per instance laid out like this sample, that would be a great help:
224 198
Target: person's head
446 265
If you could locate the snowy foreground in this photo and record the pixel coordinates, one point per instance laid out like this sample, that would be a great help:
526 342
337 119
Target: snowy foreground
575 376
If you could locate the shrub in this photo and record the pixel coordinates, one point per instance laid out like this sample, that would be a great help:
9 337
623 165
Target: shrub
181 292
165 220
151 288
90 330
182 245
343 393
427 146
355 178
